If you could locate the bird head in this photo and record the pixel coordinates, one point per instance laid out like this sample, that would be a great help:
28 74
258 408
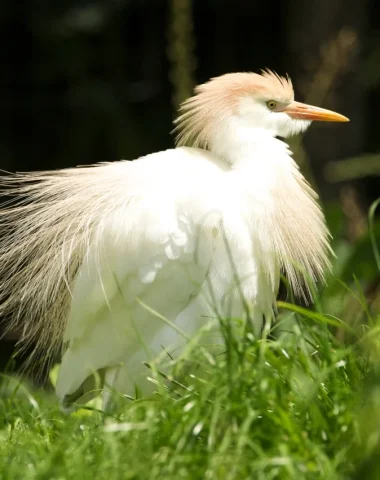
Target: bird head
247 101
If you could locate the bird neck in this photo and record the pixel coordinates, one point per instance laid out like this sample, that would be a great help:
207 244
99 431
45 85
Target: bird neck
244 147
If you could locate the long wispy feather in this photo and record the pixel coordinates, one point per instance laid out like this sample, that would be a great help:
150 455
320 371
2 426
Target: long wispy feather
45 229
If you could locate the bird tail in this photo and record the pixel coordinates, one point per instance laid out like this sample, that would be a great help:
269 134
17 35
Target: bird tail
46 226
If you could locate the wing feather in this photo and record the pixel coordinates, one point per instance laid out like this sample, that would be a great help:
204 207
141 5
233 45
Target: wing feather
107 325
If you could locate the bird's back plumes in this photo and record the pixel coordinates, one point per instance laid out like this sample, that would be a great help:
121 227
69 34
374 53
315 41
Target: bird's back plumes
49 226
46 229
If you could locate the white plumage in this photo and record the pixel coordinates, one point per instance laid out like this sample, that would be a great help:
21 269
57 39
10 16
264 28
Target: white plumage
94 259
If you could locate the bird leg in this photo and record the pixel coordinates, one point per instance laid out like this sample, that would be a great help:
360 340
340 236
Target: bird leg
110 380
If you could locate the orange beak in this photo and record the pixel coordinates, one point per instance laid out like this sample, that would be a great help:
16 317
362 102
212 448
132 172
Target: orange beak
302 111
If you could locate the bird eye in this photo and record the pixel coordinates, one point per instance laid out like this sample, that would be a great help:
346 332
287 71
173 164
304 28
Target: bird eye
271 104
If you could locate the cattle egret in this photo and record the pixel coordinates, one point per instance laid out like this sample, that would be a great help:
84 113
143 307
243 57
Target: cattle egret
110 263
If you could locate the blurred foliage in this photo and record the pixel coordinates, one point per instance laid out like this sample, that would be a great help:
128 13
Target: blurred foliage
353 168
354 270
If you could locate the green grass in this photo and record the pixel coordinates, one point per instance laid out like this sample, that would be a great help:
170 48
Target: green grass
296 404
287 408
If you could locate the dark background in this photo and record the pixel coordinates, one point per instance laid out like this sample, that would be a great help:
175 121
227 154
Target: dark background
90 81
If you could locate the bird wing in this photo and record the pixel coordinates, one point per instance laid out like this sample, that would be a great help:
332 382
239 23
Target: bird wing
150 254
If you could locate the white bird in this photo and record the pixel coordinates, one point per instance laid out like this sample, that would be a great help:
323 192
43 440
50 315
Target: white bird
93 259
